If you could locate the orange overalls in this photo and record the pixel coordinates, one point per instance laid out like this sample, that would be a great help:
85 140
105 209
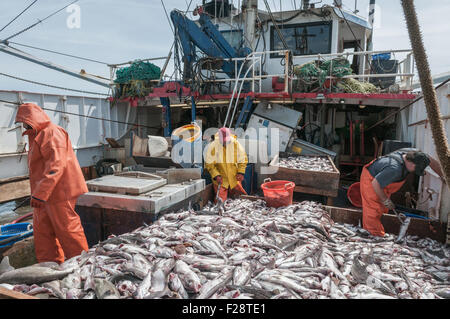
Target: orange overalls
373 209
57 180
233 192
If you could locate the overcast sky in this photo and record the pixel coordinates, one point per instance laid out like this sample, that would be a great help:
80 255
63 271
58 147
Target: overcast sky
115 31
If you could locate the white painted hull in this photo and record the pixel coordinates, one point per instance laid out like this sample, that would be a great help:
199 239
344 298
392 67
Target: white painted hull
88 135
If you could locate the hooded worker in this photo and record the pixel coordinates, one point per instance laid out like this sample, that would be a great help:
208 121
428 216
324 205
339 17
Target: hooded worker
56 181
386 175
226 161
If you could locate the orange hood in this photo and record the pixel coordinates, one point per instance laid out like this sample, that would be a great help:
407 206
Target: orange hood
32 115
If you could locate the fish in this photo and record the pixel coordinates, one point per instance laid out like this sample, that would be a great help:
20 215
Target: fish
308 163
403 229
33 275
5 266
242 274
211 287
190 280
176 285
250 251
359 271
144 287
104 289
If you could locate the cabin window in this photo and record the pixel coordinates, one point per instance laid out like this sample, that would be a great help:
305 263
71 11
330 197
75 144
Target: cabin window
302 39
233 37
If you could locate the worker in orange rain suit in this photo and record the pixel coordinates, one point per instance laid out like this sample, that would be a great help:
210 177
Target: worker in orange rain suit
386 175
56 182
226 161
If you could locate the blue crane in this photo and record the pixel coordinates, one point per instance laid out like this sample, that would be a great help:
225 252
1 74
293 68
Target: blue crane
208 39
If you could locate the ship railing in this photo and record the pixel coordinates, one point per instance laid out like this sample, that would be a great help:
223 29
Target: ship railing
255 65
404 75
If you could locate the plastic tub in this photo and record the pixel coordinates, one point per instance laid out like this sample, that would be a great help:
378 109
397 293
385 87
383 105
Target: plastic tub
354 195
19 231
278 193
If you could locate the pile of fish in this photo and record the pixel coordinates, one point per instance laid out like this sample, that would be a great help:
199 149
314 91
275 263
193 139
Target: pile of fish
307 163
250 251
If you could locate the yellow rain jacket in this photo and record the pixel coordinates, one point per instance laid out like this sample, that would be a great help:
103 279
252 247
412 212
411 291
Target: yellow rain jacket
226 161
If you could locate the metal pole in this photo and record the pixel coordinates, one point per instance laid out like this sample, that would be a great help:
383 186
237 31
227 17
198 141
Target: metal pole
193 109
371 20
166 120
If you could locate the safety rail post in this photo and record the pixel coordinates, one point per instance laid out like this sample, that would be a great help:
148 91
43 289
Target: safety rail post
260 74
286 72
193 109
253 74
165 112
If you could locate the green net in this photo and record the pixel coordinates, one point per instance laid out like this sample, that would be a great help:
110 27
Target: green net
313 76
138 70
134 80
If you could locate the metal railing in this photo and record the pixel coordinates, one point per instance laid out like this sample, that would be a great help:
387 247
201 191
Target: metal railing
405 71
404 75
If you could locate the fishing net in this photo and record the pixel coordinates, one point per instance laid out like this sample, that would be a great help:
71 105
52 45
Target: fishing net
138 70
312 77
134 80
355 86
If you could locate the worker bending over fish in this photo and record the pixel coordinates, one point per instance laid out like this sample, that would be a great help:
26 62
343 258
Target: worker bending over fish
386 175
56 181
226 161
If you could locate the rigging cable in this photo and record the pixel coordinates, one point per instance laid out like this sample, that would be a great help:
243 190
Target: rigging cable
276 26
356 39
86 116
60 53
34 24
18 16
51 86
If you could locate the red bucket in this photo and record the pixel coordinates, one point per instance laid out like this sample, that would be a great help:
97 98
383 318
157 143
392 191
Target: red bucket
354 195
278 193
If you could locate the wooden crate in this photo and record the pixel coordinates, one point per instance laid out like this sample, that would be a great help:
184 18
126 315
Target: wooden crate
310 182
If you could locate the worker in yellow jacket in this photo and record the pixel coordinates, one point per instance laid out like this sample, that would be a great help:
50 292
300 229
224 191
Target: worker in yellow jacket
226 161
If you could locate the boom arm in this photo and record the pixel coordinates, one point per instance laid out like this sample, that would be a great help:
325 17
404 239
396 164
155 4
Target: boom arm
207 38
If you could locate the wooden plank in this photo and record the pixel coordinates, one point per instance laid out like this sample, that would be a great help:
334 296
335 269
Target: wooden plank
315 191
14 190
180 175
10 294
14 179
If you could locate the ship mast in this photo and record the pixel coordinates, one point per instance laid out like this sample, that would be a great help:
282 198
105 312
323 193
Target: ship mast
250 11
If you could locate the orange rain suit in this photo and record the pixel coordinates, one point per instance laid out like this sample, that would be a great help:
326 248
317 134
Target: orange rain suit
226 161
55 178
373 208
